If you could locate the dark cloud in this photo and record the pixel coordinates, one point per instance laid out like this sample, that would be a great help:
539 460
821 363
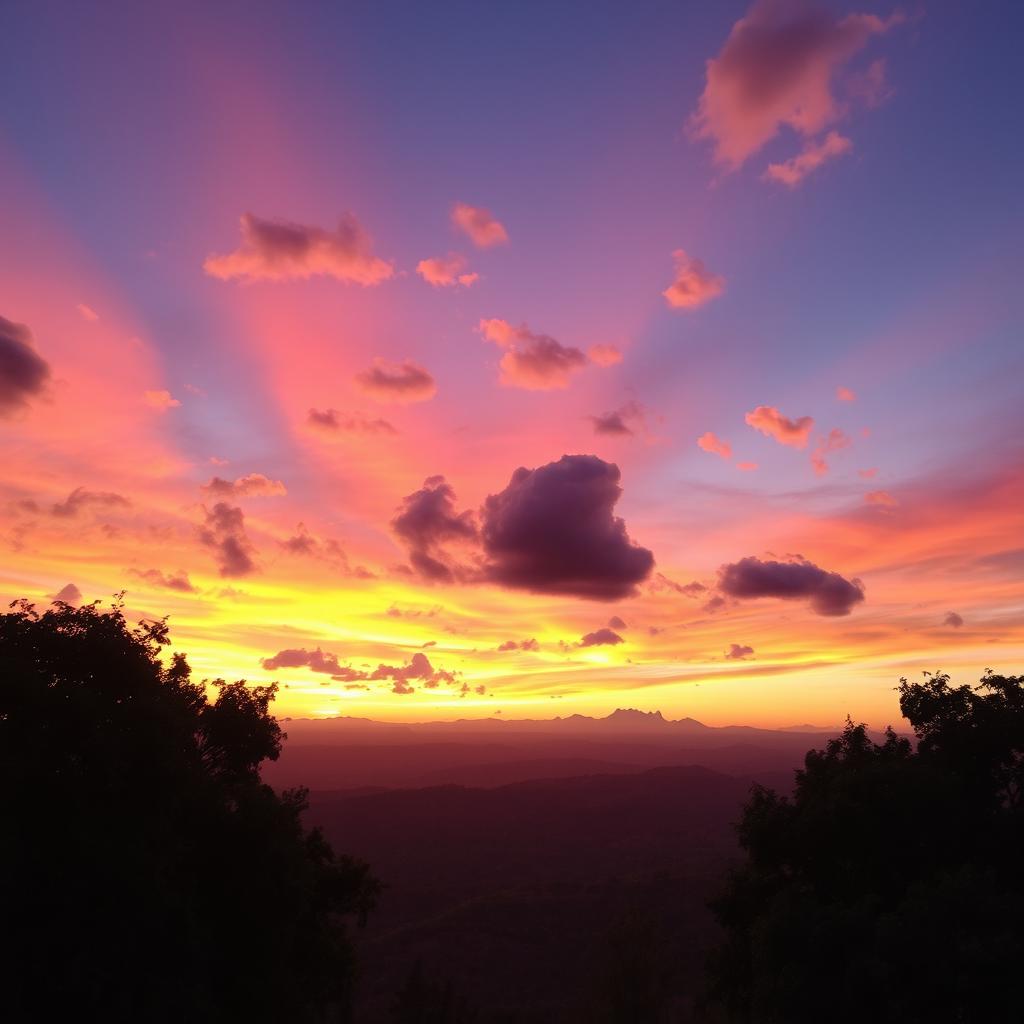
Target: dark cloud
953 619
552 531
315 661
426 521
255 485
533 361
621 422
24 374
419 668
615 622
69 594
600 637
396 382
81 498
519 645
827 592
662 582
224 533
333 421
737 652
325 549
169 581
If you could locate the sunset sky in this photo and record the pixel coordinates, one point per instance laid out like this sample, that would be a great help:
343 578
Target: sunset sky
443 360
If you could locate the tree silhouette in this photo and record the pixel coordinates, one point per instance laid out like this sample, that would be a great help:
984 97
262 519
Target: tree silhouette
889 886
148 873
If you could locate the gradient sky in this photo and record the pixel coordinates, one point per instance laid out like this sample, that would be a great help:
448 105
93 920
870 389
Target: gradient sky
763 259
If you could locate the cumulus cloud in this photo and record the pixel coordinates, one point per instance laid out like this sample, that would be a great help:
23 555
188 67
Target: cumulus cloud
845 394
953 619
770 422
533 361
315 661
419 668
333 421
616 622
552 530
280 251
883 499
600 637
446 271
223 531
519 645
255 485
828 593
81 498
160 400
604 355
737 652
396 382
168 581
621 422
693 284
835 441
708 442
24 374
69 594
482 227
746 467
793 171
777 68
427 521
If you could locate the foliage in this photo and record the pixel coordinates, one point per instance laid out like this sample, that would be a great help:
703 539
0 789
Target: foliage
149 875
889 884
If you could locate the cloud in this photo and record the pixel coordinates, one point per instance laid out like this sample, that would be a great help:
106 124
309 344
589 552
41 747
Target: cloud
793 171
845 394
479 224
255 485
619 422
224 533
953 619
419 668
834 442
600 637
332 421
81 498
881 498
616 622
427 521
868 474
87 313
533 361
168 581
662 582
777 68
69 594
770 422
280 251
708 442
746 467
552 530
693 284
737 652
160 400
519 645
24 374
604 355
315 661
446 271
827 592
396 382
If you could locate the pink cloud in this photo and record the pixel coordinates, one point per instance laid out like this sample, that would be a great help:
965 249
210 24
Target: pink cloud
533 361
708 442
746 467
87 313
446 271
834 442
693 284
255 485
604 355
882 498
770 422
868 474
777 69
160 400
396 382
482 227
845 394
281 251
793 171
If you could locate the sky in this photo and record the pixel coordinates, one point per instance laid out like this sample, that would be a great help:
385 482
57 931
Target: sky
463 359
